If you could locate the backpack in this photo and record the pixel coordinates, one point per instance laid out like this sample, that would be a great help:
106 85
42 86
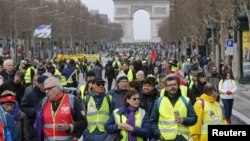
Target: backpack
7 133
71 102
116 66
108 99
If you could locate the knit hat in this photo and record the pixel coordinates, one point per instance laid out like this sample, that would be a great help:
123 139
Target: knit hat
7 96
20 74
98 80
120 77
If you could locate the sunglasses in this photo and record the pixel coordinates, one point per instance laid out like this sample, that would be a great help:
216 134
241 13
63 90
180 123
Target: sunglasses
100 84
136 99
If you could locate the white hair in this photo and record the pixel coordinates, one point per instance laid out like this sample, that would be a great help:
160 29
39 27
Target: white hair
54 80
138 73
6 62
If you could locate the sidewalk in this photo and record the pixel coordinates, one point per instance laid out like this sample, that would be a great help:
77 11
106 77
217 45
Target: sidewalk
241 107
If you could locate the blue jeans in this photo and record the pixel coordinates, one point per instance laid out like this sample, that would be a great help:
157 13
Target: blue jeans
228 106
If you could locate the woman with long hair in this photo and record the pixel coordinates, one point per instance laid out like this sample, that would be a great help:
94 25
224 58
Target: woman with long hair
227 89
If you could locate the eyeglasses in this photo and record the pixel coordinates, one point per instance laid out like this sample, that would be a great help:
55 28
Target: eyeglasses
100 84
136 99
49 88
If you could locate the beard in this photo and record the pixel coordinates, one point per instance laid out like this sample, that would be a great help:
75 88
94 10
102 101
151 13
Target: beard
173 91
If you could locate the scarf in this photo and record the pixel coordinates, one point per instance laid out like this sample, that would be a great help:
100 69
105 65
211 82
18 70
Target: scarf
131 121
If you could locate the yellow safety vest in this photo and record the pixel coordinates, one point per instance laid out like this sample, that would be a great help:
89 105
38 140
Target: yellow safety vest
182 88
169 129
139 115
97 118
62 77
82 89
58 73
119 65
129 75
162 92
212 115
27 77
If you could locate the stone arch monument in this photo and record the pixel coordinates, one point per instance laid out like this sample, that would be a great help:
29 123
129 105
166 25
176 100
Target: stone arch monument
125 10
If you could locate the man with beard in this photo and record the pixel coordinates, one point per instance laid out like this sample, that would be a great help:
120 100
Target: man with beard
172 113
214 78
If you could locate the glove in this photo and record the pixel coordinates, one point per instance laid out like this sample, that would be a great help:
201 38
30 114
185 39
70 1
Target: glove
229 92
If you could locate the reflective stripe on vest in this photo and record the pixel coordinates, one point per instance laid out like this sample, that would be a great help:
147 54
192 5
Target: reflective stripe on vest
27 77
139 115
51 119
168 127
82 89
96 118
70 80
211 116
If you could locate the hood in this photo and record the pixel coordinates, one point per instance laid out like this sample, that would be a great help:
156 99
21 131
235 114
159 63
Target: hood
206 97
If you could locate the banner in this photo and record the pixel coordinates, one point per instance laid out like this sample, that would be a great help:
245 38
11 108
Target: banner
43 31
92 57
89 57
68 57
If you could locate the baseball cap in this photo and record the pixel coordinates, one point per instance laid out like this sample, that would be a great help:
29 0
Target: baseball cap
98 80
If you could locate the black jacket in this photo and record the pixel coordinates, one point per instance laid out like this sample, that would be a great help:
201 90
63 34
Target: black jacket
148 100
18 89
6 76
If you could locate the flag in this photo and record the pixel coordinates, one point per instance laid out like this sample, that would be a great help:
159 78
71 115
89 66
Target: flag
153 54
43 31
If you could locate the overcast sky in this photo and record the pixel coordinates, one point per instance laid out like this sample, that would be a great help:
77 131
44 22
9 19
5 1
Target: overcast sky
141 18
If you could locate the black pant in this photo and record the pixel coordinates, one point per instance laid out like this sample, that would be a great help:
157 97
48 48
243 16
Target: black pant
110 80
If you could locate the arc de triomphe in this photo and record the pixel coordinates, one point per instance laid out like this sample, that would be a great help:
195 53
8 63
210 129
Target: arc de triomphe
125 9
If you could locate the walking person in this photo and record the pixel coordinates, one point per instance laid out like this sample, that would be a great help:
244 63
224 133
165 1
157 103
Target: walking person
208 111
11 106
63 116
227 89
130 120
109 74
172 113
99 106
